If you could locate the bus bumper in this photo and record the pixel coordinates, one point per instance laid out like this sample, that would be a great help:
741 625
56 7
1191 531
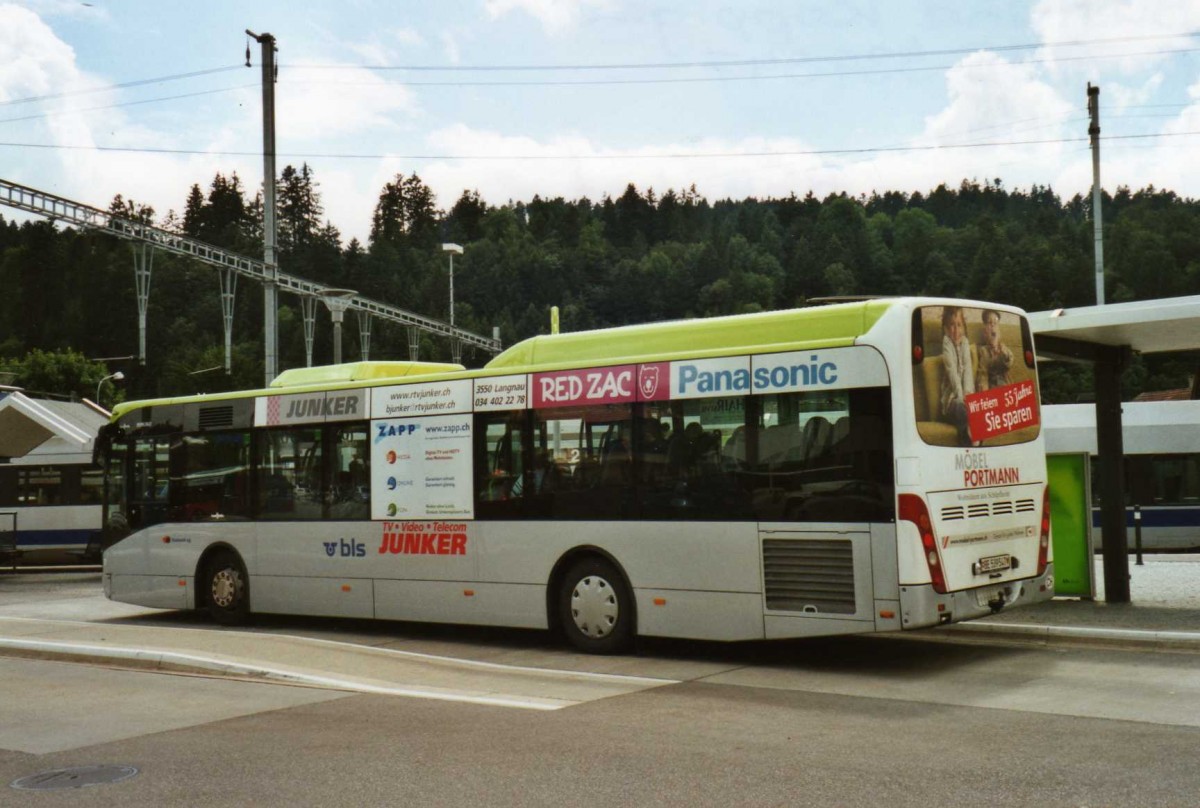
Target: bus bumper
921 607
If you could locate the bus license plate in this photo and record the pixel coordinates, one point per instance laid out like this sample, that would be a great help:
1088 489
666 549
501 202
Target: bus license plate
993 564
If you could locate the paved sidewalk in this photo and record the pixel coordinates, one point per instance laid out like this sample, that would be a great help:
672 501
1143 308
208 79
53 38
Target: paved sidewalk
1164 609
1164 614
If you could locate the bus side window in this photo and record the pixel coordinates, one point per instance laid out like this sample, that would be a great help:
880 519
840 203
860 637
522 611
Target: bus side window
500 463
289 474
350 495
584 454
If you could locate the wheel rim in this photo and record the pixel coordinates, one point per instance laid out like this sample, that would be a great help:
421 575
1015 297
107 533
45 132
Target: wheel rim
226 587
594 607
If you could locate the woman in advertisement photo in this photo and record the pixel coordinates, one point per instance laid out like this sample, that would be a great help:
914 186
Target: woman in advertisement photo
958 373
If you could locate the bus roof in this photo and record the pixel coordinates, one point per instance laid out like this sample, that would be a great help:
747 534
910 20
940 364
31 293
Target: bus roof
792 329
830 326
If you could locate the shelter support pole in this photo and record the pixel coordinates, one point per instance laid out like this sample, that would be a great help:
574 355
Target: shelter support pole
364 334
228 292
143 262
1110 362
308 306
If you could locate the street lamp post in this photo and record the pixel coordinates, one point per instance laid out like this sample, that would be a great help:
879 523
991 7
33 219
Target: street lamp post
116 377
453 249
455 346
337 301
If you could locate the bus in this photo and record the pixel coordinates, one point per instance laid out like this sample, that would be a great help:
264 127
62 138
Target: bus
1161 441
761 476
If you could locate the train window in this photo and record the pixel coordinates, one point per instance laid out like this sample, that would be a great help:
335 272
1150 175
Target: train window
8 488
41 486
91 487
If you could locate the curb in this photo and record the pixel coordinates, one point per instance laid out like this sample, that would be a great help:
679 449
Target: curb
1177 640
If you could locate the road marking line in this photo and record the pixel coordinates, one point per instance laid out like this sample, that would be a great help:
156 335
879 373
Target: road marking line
647 681
211 663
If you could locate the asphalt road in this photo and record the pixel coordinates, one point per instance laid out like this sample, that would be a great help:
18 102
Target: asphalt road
866 720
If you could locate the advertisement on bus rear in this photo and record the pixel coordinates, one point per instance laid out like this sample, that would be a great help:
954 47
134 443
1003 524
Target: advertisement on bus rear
974 379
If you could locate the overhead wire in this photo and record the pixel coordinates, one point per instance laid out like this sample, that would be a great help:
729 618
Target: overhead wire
50 113
748 62
772 76
632 156
120 86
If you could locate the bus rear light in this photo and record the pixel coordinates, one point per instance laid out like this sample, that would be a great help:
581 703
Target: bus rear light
1044 538
913 509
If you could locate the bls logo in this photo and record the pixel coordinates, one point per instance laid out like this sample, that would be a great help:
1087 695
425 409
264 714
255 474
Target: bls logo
346 549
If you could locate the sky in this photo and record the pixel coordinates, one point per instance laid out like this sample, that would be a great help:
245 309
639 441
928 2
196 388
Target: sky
574 98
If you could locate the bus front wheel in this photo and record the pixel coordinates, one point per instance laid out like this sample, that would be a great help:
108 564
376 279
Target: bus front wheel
227 589
596 607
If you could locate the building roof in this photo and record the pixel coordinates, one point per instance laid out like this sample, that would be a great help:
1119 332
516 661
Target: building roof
36 429
1146 326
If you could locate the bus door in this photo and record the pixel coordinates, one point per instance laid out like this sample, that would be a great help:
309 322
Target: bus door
148 485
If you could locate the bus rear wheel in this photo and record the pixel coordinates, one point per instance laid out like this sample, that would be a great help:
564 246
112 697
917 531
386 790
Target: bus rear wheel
596 607
227 589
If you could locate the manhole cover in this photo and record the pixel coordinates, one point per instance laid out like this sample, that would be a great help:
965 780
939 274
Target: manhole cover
76 777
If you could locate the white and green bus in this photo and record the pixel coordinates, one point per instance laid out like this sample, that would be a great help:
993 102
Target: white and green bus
780 474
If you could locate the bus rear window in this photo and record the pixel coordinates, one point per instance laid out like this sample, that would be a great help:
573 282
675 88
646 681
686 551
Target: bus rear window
974 377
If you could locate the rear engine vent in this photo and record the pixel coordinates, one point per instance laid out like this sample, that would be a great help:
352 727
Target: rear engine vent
982 509
216 417
809 576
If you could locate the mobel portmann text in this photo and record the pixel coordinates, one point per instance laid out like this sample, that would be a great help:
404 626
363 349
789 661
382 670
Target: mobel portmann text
976 471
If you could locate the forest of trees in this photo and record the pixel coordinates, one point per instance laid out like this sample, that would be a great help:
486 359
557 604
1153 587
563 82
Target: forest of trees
640 257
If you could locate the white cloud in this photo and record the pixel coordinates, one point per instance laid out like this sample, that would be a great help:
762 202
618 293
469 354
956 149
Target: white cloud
1119 96
450 45
992 99
339 102
408 37
1073 20
33 61
556 16
387 48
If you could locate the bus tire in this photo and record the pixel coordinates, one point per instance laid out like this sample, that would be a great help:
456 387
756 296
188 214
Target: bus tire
227 589
596 607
